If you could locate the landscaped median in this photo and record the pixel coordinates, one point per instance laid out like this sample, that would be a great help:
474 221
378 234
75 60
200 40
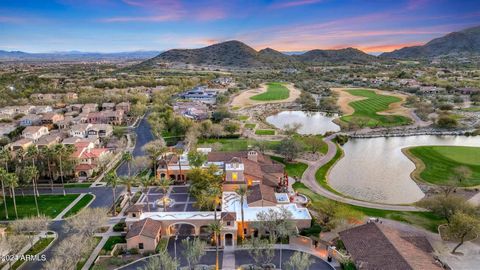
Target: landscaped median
82 203
39 247
322 172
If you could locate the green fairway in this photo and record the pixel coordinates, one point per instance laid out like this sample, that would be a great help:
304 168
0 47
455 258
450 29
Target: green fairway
440 164
426 220
366 110
50 205
265 132
293 169
84 201
275 91
250 125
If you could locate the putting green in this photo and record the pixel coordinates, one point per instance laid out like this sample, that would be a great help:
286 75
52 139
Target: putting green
366 110
275 91
440 165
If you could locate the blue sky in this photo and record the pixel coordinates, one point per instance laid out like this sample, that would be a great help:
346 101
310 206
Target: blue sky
290 25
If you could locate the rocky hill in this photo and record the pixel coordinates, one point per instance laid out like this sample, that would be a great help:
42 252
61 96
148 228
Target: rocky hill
237 54
462 43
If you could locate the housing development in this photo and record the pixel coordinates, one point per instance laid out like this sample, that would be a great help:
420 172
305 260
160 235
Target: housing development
286 134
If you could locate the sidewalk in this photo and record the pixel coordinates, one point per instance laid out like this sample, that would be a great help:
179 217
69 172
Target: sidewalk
228 260
60 216
26 248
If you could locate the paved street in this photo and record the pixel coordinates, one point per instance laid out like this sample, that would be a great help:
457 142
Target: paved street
242 257
143 136
103 198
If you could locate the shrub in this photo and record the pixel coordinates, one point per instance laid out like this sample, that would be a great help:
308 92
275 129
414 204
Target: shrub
119 227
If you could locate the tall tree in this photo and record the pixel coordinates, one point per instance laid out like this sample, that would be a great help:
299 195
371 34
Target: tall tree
193 251
216 228
112 180
87 221
3 180
128 181
47 154
242 191
30 173
32 154
12 182
154 149
63 154
196 159
164 184
145 181
461 226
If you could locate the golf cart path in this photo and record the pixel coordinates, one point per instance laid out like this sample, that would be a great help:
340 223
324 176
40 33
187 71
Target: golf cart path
308 178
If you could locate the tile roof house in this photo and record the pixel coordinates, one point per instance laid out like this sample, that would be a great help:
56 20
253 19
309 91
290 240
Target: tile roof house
88 158
34 132
106 117
48 140
124 106
19 144
108 106
376 246
90 107
51 118
141 234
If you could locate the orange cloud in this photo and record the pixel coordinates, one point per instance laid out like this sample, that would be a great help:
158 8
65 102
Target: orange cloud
387 47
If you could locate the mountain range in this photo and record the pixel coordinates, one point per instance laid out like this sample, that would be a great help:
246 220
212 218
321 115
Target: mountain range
462 43
75 56
238 54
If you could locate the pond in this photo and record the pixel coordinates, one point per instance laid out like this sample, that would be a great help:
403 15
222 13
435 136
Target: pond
376 170
312 122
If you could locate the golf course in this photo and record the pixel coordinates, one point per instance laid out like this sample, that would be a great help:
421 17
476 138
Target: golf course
441 165
369 107
275 91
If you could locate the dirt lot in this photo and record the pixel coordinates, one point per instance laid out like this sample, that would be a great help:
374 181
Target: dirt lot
243 100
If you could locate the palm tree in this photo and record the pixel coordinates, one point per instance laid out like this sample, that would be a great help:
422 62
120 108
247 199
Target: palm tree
216 229
178 153
210 198
30 174
3 176
128 157
112 180
128 181
5 157
243 192
32 153
59 151
154 149
12 183
145 181
164 185
48 154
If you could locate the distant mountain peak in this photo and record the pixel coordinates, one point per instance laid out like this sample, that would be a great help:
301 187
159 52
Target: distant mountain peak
464 42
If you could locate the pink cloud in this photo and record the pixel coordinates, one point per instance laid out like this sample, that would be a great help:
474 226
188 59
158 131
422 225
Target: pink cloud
416 4
295 3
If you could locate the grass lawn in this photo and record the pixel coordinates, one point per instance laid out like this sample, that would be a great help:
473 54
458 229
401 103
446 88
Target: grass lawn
293 169
243 117
303 139
39 246
79 206
437 164
321 174
234 144
426 220
265 132
472 109
275 91
78 185
50 205
111 241
250 125
366 110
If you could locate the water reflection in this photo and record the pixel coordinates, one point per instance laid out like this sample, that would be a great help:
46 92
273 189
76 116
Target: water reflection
312 122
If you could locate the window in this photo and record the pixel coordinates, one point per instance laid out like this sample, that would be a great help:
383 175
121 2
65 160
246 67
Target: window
229 223
134 215
140 245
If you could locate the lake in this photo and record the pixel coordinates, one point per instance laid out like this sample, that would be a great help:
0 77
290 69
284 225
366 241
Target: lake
376 170
312 122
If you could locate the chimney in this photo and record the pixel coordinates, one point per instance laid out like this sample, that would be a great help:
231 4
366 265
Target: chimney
252 155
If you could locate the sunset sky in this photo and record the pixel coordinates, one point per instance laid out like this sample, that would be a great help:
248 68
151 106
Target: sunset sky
291 25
